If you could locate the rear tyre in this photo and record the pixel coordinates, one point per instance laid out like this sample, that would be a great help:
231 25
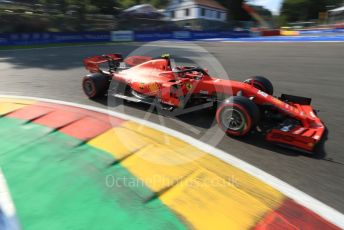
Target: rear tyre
237 116
261 83
95 85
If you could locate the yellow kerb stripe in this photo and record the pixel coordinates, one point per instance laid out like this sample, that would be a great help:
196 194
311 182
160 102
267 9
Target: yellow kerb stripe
8 105
120 142
205 191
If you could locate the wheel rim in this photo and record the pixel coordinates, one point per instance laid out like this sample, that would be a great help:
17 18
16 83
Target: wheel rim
233 119
89 87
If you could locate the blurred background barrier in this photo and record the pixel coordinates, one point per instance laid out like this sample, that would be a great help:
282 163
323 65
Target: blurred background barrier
270 33
190 35
49 38
122 36
147 36
116 36
321 31
290 33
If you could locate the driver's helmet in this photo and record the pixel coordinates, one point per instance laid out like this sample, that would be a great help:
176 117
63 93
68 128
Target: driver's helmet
166 56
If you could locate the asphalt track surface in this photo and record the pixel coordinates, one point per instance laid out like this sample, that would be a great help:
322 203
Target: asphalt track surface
306 69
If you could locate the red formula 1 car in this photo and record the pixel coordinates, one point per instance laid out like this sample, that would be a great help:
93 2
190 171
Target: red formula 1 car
240 106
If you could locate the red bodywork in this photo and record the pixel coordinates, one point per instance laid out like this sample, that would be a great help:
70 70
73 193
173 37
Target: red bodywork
155 78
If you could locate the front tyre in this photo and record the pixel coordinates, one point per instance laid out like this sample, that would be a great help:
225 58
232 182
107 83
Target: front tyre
261 83
95 85
237 116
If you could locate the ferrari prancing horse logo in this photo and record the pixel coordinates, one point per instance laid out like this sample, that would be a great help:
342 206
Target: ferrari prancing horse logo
188 86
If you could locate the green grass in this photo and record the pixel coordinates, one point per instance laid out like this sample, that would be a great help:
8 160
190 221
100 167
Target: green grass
15 47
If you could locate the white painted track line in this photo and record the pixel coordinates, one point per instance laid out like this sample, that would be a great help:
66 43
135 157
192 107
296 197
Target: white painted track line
8 220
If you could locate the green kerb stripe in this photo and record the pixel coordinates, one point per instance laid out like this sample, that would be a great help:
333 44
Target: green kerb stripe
57 182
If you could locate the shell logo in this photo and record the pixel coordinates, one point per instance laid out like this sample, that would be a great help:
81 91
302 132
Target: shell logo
153 87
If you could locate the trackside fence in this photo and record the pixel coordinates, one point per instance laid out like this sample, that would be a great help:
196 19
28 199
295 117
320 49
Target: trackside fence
55 38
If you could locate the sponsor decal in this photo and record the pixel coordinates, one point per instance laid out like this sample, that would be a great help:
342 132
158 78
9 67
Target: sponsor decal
122 36
153 87
312 114
181 34
261 93
300 130
188 86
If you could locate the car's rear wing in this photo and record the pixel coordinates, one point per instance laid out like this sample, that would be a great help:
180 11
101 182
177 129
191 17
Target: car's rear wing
92 64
